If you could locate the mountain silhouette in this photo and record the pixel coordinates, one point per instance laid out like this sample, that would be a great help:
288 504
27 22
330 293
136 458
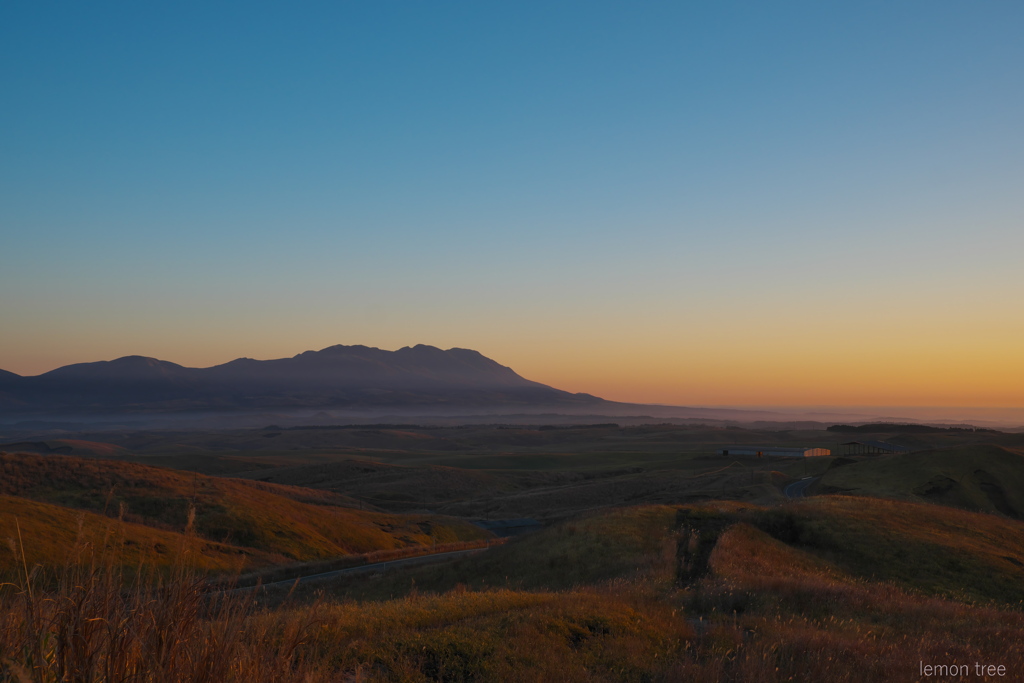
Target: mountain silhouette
335 377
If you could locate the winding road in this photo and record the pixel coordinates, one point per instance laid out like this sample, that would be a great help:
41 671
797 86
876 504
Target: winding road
376 566
798 489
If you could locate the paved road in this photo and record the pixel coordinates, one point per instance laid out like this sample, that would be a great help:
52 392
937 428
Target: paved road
377 566
798 489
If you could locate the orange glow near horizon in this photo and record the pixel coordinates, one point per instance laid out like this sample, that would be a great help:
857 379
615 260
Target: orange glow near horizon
726 367
686 206
962 370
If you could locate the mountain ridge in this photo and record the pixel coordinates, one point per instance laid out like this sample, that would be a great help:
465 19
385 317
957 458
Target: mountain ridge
337 376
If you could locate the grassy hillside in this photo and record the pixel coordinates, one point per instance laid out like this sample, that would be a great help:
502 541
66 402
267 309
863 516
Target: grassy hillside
986 478
924 548
79 447
815 589
52 535
837 589
582 552
289 523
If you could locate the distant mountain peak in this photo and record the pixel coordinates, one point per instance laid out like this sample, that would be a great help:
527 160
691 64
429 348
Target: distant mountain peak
141 361
340 349
337 376
419 348
125 366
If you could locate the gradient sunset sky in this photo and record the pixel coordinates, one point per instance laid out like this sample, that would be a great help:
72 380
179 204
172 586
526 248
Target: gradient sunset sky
687 203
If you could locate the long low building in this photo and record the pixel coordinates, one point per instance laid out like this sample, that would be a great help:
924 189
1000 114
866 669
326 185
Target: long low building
774 451
873 448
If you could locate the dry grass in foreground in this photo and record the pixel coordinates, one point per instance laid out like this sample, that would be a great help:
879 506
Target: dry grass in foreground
90 628
93 621
775 601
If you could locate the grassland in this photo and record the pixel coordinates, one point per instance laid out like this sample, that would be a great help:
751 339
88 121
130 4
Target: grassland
611 597
252 522
48 535
982 477
487 447
811 590
659 561
921 548
500 471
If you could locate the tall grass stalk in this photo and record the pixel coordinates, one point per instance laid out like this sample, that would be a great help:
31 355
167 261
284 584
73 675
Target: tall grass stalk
91 621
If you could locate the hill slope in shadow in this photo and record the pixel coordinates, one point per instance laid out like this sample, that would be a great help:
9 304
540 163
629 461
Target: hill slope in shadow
985 478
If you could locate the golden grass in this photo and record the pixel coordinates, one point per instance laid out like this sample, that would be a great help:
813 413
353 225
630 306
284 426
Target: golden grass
51 536
779 603
928 548
92 628
284 522
501 635
617 543
810 620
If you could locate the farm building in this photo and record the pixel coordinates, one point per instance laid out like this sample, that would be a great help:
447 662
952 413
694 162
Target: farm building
873 448
773 451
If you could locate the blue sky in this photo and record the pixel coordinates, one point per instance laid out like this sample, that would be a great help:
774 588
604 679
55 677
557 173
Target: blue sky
602 196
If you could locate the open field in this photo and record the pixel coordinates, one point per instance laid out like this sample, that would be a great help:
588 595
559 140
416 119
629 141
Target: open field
984 477
712 592
922 548
795 592
658 561
267 522
49 535
537 447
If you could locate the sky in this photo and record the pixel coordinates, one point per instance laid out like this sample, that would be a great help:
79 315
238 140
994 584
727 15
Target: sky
730 203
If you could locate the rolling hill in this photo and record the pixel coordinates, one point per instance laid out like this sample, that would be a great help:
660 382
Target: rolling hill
924 549
833 588
276 523
53 535
986 478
